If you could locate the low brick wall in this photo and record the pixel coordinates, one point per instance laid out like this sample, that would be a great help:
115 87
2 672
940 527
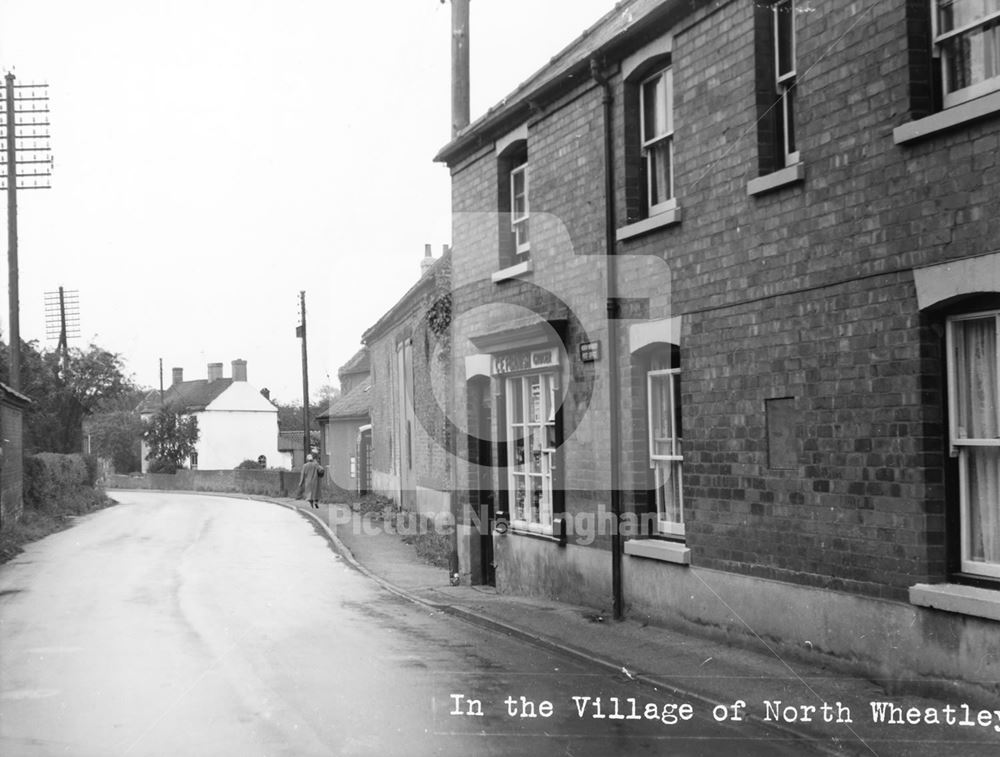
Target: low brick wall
269 483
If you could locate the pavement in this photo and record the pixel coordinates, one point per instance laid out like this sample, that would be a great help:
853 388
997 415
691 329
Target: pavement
704 670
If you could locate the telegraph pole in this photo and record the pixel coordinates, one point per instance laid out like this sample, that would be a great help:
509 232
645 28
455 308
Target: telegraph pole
62 319
301 332
21 110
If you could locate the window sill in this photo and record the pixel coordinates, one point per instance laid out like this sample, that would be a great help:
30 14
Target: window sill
950 118
512 272
777 179
655 549
666 218
964 600
533 530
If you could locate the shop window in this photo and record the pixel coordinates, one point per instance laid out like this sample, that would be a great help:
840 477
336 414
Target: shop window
531 404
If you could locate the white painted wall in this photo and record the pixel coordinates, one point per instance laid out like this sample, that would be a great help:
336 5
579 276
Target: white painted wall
238 425
228 437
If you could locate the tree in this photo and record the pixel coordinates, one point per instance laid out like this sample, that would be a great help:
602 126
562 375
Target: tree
63 393
115 435
171 437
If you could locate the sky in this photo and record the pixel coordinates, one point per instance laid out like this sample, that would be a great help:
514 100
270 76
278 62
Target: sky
214 158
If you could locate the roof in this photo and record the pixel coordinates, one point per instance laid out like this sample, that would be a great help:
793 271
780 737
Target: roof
357 364
355 404
186 396
630 24
393 315
14 397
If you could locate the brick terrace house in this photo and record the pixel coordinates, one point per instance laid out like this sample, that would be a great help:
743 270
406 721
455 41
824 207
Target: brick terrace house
346 430
728 273
408 354
236 422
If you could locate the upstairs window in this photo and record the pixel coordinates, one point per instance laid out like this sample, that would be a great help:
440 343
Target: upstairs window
513 203
519 207
775 81
974 411
656 105
967 42
784 75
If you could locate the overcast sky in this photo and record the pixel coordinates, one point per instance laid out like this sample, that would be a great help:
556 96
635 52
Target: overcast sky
215 157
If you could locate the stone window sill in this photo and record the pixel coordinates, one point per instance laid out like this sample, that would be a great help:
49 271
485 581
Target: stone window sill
533 531
656 549
666 218
512 272
950 118
777 179
964 600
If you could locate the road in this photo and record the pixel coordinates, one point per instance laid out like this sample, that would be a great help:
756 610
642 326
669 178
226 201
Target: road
182 624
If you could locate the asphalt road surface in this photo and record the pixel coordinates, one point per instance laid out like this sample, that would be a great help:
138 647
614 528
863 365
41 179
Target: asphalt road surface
177 624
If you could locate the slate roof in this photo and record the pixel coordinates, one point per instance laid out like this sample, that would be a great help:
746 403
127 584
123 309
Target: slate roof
14 397
355 404
357 364
187 396
628 25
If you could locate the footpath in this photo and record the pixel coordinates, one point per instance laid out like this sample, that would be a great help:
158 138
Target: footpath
829 708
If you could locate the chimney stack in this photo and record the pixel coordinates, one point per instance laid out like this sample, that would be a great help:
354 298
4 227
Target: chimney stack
178 375
214 372
239 370
427 260
459 65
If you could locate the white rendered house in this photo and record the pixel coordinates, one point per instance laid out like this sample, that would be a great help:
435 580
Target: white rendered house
235 421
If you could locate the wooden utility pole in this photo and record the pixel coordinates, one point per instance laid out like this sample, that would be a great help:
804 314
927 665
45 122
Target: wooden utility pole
301 332
21 111
459 65
12 285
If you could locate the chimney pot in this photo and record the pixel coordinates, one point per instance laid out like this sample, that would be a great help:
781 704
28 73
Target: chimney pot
427 260
266 393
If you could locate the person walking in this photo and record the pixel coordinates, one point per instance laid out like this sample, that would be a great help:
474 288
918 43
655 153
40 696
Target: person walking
310 480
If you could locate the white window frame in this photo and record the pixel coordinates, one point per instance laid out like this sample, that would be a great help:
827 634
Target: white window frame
941 38
785 82
519 223
652 142
666 526
960 444
544 429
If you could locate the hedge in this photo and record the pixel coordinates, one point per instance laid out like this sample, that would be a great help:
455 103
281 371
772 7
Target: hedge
52 481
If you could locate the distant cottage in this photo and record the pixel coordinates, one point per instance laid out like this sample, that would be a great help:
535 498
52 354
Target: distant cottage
235 420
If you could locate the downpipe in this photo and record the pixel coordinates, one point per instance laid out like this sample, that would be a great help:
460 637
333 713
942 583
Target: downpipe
612 350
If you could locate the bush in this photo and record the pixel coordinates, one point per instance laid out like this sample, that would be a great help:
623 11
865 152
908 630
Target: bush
248 465
160 465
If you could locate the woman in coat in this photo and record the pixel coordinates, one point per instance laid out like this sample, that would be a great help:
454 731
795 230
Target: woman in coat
310 480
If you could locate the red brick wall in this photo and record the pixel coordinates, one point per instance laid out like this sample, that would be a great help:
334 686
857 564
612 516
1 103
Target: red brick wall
804 292
11 471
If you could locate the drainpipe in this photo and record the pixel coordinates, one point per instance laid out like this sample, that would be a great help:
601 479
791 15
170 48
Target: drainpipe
612 351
